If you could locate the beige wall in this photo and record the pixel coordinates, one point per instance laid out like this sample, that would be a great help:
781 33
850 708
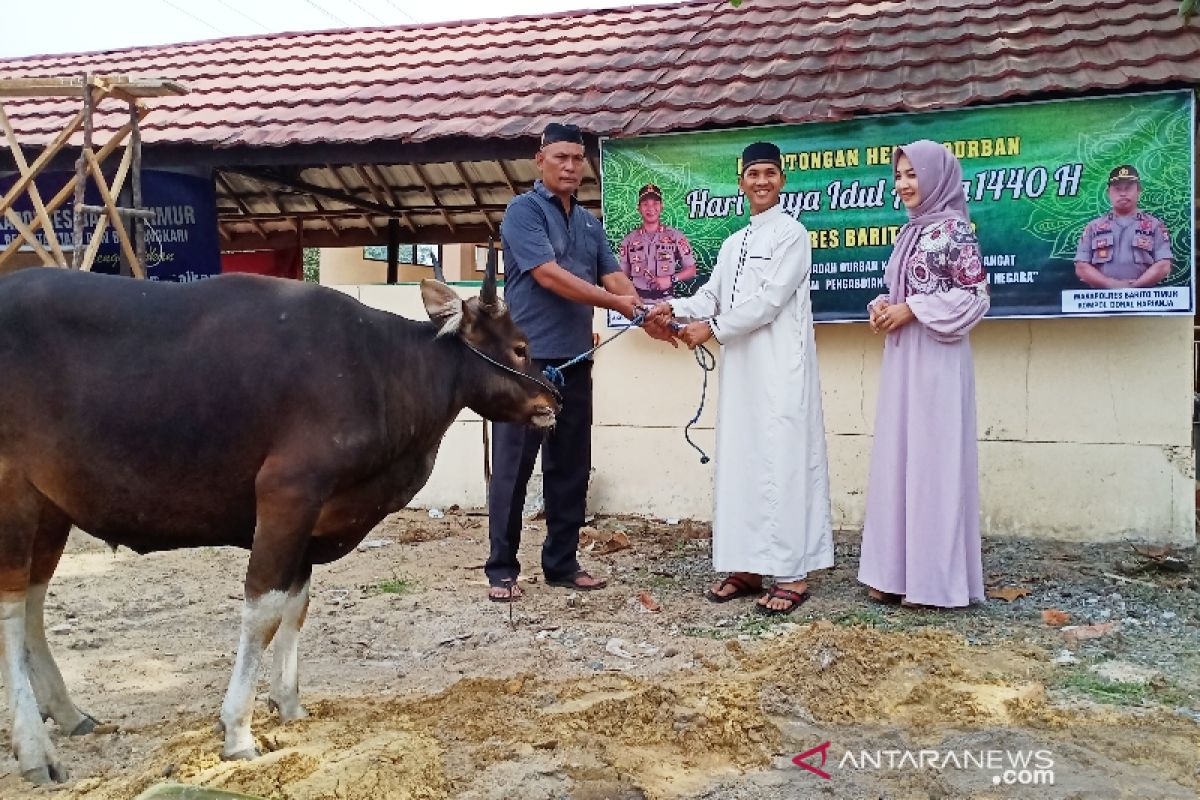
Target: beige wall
346 265
1084 424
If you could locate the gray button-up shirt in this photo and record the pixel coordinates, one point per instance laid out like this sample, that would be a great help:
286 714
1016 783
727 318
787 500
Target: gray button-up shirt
535 231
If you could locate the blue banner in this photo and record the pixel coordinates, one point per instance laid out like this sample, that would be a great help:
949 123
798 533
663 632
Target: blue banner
181 240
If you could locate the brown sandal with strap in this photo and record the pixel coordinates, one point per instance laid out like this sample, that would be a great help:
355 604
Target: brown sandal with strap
742 587
777 592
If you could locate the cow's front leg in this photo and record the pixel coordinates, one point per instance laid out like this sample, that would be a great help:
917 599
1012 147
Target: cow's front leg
285 678
19 510
30 742
53 699
260 617
287 511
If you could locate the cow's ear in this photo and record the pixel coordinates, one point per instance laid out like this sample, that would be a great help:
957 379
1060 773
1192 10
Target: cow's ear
444 306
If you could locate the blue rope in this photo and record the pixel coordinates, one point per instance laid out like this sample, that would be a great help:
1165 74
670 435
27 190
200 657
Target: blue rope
555 374
708 363
704 358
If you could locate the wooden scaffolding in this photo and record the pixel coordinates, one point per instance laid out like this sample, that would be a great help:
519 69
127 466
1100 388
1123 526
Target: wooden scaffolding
93 90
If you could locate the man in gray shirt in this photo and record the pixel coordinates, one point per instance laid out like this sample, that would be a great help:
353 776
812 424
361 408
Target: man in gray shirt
1125 248
558 268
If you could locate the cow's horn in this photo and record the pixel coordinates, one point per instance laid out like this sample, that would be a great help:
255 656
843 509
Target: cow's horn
487 295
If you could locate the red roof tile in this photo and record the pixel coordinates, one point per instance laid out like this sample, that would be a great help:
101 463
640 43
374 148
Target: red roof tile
631 71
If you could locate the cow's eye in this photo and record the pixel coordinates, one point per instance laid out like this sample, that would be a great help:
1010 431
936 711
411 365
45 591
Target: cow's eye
521 351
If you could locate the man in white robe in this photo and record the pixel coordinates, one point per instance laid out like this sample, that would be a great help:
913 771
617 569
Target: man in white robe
772 512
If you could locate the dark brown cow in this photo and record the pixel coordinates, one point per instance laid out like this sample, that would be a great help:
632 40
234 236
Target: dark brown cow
272 415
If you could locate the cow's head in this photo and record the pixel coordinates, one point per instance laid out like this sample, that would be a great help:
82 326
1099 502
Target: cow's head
502 384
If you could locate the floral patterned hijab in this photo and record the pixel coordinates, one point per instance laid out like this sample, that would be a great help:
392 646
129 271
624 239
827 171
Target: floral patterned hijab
939 182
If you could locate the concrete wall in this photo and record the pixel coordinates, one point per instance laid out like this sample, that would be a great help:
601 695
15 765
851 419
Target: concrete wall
1084 425
346 265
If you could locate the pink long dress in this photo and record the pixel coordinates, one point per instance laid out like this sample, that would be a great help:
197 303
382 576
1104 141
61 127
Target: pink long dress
921 533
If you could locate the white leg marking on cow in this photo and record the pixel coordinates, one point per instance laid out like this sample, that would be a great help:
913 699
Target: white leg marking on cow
48 686
285 678
260 618
31 743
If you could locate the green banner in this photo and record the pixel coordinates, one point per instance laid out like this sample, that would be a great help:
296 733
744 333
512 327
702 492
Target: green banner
1035 175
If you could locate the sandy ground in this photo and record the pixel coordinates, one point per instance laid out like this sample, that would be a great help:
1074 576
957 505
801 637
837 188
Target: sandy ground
420 688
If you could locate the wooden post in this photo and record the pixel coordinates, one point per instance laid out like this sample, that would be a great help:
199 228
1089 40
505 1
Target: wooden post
139 222
393 250
81 174
487 458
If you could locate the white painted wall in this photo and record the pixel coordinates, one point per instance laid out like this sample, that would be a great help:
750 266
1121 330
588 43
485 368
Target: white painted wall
1085 426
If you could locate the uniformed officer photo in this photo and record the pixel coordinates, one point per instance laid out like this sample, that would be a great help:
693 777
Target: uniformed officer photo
654 256
1125 248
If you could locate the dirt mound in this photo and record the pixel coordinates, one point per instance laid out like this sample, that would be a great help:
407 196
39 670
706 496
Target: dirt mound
662 738
861 675
419 688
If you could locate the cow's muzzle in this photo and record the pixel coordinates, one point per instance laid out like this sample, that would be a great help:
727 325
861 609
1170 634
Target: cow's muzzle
543 417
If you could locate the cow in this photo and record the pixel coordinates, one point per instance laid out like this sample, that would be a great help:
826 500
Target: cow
272 415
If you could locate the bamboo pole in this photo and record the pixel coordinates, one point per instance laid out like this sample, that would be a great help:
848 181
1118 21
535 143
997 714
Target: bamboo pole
34 195
41 161
80 175
65 192
110 207
93 247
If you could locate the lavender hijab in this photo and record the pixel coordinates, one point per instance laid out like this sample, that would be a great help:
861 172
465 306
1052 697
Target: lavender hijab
939 183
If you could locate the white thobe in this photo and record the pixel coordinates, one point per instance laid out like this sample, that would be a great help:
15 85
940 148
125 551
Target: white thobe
772 512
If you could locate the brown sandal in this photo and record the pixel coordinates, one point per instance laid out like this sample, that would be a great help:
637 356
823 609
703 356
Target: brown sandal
743 588
573 582
777 592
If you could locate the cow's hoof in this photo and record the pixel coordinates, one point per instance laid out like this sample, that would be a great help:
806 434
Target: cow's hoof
249 754
85 726
51 773
300 712
290 713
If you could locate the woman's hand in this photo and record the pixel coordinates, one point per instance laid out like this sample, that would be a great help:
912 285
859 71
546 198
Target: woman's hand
874 310
892 318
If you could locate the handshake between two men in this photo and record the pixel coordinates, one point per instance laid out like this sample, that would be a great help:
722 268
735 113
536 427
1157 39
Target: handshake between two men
660 323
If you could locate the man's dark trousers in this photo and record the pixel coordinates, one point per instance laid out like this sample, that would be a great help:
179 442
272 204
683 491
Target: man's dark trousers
566 464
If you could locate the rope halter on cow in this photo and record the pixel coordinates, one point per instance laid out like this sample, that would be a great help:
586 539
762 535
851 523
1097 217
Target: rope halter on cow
491 304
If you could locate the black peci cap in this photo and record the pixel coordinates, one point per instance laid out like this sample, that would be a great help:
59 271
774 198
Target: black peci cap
558 132
761 153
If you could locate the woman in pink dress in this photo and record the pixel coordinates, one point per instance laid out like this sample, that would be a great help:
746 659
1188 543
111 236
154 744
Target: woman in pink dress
920 541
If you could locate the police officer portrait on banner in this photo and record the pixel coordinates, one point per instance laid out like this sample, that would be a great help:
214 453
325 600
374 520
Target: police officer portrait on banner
655 256
1127 247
